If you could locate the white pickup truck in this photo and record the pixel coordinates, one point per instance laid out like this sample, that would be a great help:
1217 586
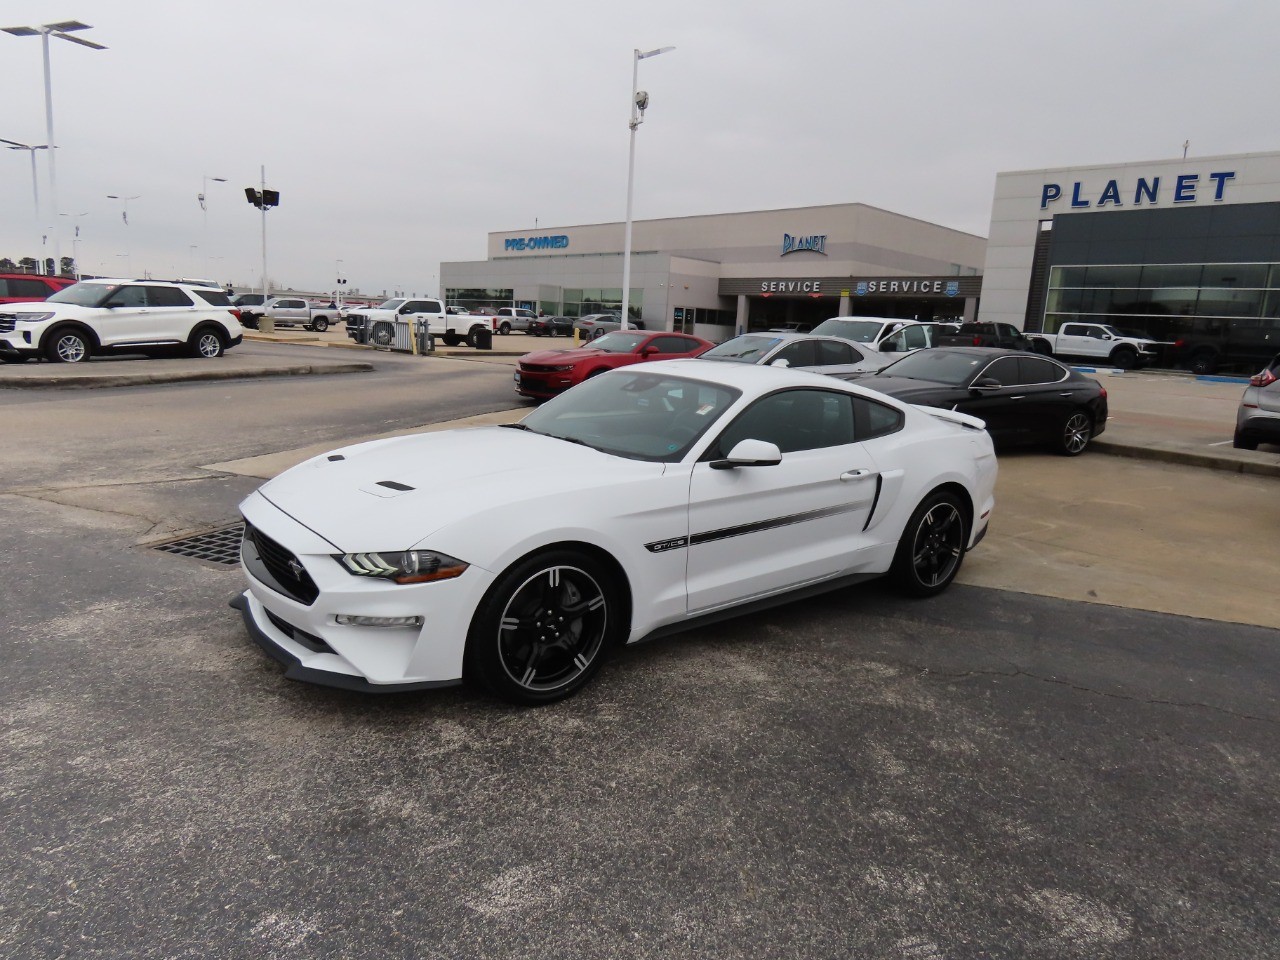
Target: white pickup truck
286 311
452 328
1098 342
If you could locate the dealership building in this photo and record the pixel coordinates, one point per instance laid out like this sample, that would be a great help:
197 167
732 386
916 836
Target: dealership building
726 273
1185 251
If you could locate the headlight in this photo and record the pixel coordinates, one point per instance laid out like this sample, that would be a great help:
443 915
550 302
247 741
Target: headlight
33 317
408 566
564 369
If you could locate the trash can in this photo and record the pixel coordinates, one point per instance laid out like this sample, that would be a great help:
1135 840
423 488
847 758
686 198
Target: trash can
483 338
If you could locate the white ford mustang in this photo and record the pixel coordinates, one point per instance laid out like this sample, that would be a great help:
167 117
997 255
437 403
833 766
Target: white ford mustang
641 502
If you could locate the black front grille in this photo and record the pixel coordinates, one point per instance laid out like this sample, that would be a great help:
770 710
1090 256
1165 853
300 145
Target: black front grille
284 572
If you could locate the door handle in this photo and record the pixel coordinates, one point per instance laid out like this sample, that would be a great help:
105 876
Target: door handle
859 474
1067 394
1021 396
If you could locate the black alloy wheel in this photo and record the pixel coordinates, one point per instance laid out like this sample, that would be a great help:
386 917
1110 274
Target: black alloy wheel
1124 358
1077 431
1203 362
544 628
932 546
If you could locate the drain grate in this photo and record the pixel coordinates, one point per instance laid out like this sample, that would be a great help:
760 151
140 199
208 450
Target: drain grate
220 546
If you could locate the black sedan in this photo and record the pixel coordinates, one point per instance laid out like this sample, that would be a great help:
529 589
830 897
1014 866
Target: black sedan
1023 397
551 327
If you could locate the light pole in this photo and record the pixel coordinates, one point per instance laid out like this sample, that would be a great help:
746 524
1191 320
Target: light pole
264 200
35 181
639 102
124 214
75 241
204 195
61 30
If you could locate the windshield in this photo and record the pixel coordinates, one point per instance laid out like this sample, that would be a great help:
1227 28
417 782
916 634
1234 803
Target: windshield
390 304
937 366
749 348
84 294
860 331
617 342
632 414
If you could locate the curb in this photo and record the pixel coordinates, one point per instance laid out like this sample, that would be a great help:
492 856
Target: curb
1238 464
146 379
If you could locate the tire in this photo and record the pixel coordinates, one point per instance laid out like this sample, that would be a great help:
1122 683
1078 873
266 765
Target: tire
504 329
320 324
1124 358
1077 431
1241 442
544 628
1041 347
932 546
450 339
249 322
13 358
382 335
1203 362
206 343
68 345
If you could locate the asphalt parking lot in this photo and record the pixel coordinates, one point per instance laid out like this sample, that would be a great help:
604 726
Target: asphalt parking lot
1069 754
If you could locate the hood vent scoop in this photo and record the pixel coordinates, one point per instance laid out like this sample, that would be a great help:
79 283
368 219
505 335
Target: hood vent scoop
335 457
395 485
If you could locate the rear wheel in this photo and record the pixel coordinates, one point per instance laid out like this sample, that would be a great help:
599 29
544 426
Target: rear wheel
1077 430
320 324
206 343
1241 442
450 339
932 546
67 345
543 629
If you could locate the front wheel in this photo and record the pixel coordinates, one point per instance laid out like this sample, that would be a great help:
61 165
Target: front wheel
543 629
1075 435
1125 359
320 324
1203 362
68 346
1041 347
932 546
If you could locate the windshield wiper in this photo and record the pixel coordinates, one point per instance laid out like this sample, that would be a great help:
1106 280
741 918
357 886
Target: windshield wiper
517 426
581 443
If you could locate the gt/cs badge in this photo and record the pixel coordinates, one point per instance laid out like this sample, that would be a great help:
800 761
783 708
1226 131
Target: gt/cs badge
663 545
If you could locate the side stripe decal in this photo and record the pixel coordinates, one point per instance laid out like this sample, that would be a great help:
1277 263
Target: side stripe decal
725 533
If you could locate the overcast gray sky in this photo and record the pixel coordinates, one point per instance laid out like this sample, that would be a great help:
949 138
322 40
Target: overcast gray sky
399 134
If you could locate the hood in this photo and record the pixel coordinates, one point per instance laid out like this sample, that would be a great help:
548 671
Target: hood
566 355
392 494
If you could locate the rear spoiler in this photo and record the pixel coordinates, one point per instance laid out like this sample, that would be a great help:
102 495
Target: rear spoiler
953 416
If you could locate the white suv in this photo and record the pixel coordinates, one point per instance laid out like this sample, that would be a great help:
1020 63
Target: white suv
120 316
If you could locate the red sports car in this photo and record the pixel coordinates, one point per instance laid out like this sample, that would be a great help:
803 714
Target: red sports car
545 373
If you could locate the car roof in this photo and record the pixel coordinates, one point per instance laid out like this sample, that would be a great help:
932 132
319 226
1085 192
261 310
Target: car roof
743 376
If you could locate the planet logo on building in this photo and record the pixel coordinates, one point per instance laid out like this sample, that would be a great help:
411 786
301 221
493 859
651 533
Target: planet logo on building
861 288
952 288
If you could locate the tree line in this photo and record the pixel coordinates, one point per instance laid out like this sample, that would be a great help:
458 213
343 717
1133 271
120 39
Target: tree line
32 265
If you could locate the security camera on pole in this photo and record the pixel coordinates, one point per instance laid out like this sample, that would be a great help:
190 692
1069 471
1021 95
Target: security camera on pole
264 199
639 102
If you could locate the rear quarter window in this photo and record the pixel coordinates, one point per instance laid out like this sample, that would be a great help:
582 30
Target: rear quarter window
215 298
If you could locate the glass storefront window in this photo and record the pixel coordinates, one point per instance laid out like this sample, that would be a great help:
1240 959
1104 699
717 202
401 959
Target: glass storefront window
1172 275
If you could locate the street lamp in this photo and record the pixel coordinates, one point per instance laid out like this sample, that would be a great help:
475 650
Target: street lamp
35 182
204 193
62 30
75 241
337 270
124 214
639 102
264 200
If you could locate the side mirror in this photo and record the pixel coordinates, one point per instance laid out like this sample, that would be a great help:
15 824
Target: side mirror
780 362
1107 336
648 351
750 453
983 384
404 309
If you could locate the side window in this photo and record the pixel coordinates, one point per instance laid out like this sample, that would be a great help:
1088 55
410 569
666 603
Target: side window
432 306
128 296
795 420
1071 330
914 337
872 419
215 298
832 352
798 354
167 297
18 287
1094 332
673 344
1004 371
1039 370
